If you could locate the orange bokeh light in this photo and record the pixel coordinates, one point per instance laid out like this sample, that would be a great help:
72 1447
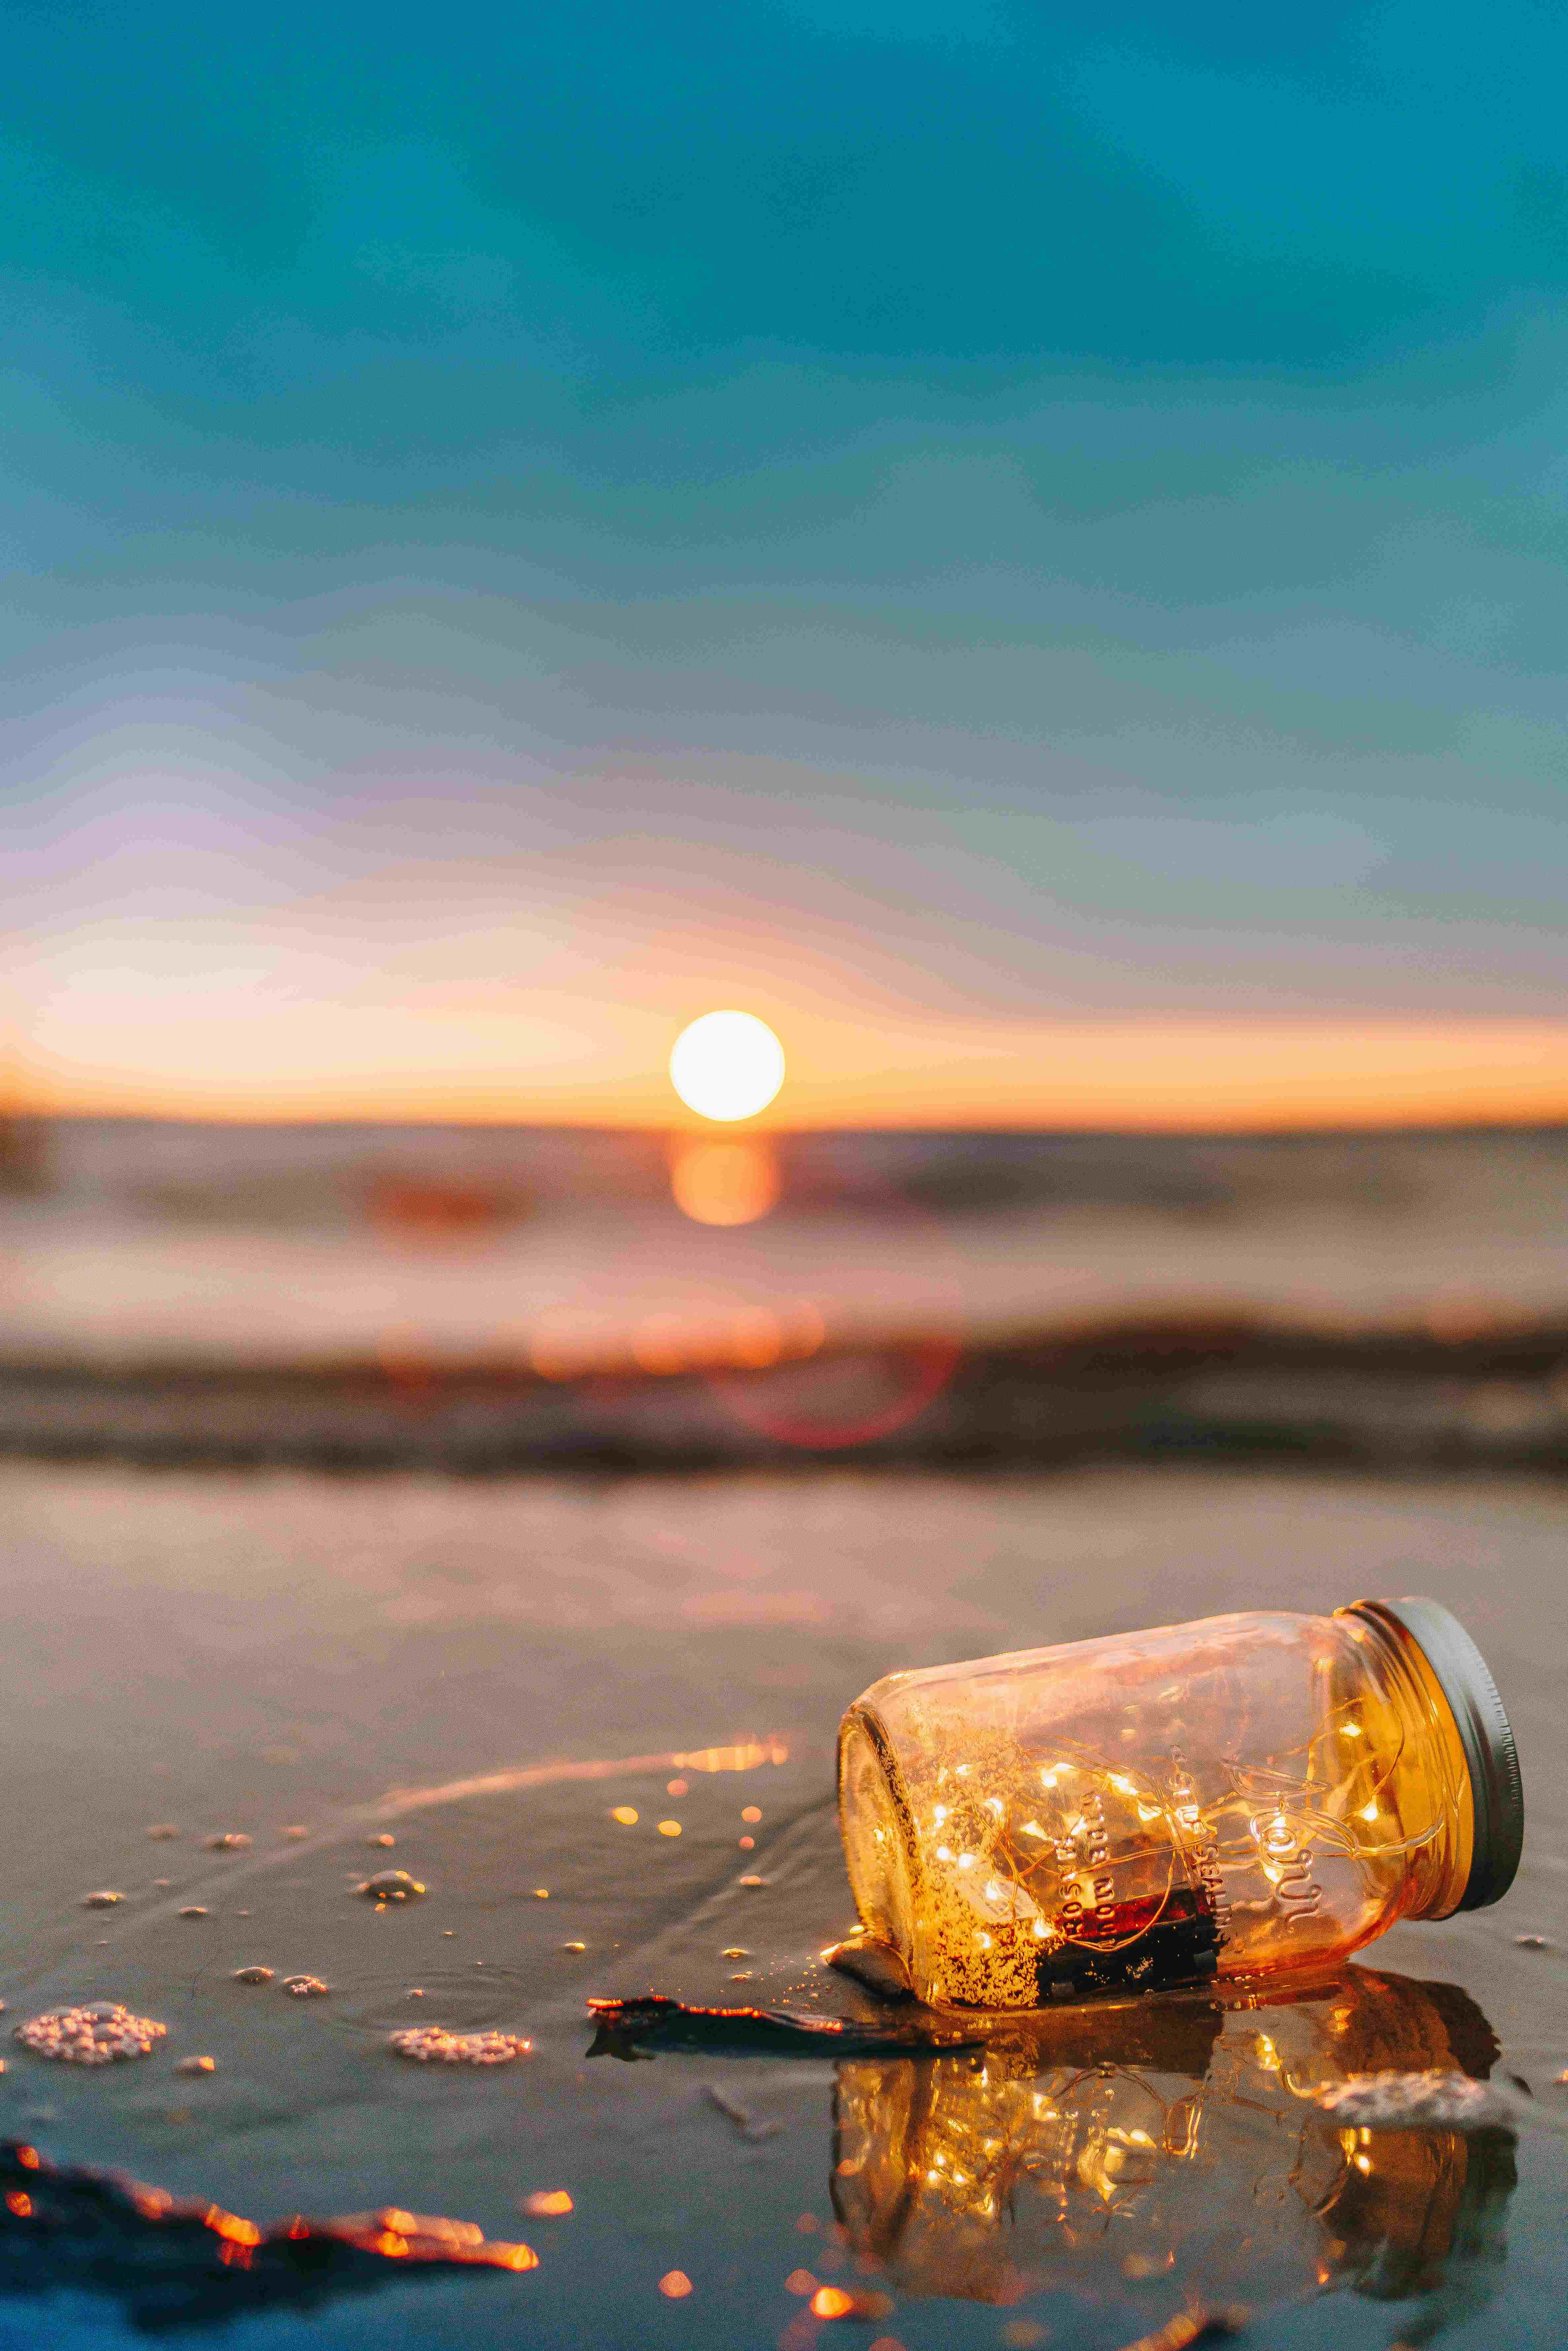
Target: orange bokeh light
731 1183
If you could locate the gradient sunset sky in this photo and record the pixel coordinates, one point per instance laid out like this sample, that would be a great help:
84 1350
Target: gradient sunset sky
1028 548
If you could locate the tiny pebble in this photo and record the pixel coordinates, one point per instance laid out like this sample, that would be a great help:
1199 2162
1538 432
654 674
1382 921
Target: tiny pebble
751 1881
94 2035
574 1946
751 1813
305 1987
747 1975
192 1911
847 2302
675 2285
541 1894
390 1886
164 1830
546 2204
428 2043
414 1991
747 1844
295 1829
231 1840
735 1951
382 1839
1525 1942
162 1883
449 1934
254 1975
197 2066
673 1828
100 1901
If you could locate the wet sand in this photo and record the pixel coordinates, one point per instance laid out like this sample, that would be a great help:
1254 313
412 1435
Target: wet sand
486 1672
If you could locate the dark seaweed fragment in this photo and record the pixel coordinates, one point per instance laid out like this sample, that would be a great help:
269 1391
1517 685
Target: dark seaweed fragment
630 2029
171 2263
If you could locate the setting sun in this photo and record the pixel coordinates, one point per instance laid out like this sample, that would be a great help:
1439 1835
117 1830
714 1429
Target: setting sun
727 1065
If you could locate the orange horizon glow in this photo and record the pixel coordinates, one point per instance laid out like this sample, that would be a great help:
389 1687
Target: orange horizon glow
1168 1075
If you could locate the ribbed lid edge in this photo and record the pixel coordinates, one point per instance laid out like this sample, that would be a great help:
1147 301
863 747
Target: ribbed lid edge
1497 1789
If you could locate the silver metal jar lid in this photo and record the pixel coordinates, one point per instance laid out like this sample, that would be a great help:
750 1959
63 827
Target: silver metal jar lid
1496 1789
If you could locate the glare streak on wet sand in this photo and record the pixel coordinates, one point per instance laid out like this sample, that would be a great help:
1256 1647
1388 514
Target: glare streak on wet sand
744 1755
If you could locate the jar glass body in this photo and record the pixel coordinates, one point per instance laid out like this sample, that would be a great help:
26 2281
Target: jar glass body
1238 1796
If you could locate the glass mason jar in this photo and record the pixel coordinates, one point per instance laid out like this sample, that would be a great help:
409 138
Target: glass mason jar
1237 1796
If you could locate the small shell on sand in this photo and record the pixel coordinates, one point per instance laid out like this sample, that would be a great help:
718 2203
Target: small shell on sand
390 1886
192 1911
872 1962
428 2043
306 1987
94 2035
382 1839
231 1840
253 1975
197 2066
103 1900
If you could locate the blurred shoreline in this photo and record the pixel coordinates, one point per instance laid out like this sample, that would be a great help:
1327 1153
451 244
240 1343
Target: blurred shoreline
479 1300
1398 1401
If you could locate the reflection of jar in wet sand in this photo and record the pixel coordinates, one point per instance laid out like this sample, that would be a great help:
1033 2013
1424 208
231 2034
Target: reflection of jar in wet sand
1244 1794
1173 2138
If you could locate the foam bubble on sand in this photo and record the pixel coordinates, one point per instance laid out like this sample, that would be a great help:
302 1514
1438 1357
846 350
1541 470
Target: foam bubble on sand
432 2043
1411 2101
390 1886
94 2035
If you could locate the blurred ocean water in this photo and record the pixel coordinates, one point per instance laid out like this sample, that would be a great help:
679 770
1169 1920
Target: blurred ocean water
221 1693
481 1297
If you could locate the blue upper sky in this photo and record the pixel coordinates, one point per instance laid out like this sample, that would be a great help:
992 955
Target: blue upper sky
1057 510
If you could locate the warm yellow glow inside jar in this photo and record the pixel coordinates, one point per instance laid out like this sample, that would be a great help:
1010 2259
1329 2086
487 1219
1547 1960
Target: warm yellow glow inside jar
1244 1795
